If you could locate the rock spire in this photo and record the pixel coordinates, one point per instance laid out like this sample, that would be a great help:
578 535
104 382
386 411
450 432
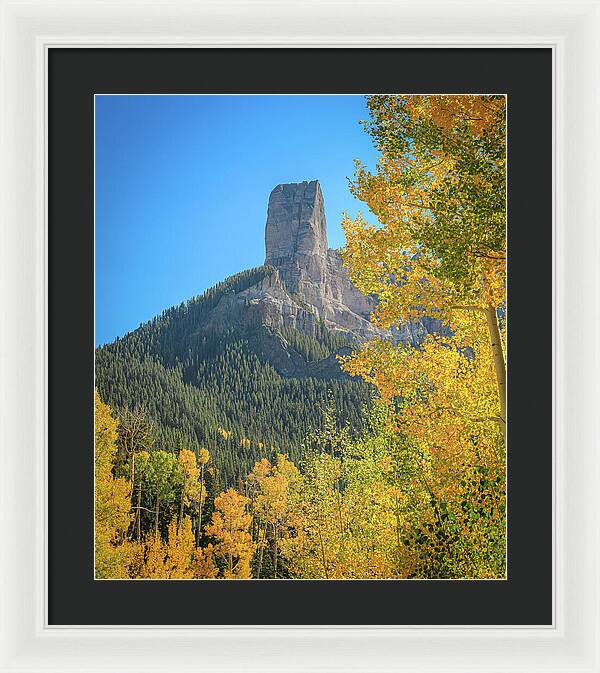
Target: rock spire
296 224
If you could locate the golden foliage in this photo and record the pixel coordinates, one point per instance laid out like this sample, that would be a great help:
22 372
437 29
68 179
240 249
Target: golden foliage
190 473
112 500
440 247
173 559
344 524
439 250
273 490
439 195
230 526
203 563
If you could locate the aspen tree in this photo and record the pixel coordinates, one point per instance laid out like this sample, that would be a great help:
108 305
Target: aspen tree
439 193
230 526
112 499
188 474
203 458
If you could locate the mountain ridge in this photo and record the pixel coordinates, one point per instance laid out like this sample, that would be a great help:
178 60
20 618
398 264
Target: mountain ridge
307 282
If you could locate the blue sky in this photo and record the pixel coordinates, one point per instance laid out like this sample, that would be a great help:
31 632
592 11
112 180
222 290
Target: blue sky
182 184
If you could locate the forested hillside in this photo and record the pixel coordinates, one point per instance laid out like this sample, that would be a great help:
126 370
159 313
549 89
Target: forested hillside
206 387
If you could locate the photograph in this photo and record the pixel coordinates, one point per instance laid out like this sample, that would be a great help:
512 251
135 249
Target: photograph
300 336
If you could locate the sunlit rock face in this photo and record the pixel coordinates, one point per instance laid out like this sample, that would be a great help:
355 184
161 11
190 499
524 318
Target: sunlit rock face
296 245
296 225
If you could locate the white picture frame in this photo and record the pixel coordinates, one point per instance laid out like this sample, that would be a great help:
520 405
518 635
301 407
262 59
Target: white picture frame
572 30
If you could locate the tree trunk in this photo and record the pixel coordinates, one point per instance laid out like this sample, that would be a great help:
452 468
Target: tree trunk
132 477
181 507
339 504
323 553
139 512
156 518
398 528
498 357
275 551
200 506
261 546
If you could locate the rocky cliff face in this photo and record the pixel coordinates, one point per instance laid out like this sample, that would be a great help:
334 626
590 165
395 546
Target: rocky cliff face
296 224
296 245
307 286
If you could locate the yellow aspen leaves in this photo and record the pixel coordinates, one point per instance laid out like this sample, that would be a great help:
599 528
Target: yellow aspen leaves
112 500
230 526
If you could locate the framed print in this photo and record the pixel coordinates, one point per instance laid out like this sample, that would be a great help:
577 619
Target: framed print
263 376
251 432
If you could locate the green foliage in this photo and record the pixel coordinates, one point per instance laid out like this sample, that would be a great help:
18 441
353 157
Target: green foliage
465 537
